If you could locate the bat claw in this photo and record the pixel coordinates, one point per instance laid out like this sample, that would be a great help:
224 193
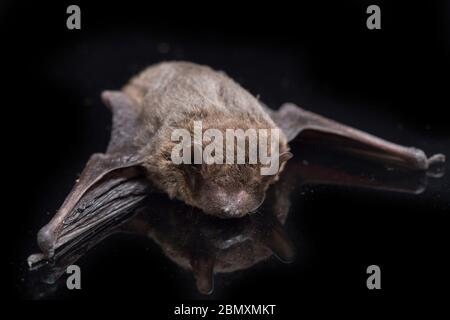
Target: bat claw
436 159
36 259
435 165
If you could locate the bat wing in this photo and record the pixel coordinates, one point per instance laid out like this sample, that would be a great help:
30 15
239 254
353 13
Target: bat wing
294 121
125 122
110 184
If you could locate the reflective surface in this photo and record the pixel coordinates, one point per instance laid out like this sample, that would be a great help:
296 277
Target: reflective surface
318 55
206 247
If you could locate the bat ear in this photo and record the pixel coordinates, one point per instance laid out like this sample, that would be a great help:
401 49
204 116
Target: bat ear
285 156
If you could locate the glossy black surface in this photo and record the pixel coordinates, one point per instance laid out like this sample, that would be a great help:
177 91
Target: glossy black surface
390 84
186 237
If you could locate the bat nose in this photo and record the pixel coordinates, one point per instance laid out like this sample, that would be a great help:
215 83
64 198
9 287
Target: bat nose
241 197
238 205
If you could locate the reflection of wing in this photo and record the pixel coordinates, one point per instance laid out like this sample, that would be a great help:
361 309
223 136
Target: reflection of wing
328 166
294 120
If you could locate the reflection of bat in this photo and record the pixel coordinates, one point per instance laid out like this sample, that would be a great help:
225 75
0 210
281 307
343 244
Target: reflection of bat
173 95
206 245
199 243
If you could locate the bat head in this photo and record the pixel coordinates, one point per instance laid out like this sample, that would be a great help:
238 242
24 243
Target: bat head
229 190
223 167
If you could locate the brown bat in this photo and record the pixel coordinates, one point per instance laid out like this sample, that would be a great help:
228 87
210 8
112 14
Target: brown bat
173 95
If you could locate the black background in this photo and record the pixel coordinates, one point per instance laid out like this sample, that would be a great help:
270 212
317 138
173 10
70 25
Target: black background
392 82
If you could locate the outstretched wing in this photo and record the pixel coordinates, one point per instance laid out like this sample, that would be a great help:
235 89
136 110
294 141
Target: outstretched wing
294 120
110 183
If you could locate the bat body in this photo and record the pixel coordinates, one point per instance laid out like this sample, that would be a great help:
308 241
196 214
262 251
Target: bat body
173 95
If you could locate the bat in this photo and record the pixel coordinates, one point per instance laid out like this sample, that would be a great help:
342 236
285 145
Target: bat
137 161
